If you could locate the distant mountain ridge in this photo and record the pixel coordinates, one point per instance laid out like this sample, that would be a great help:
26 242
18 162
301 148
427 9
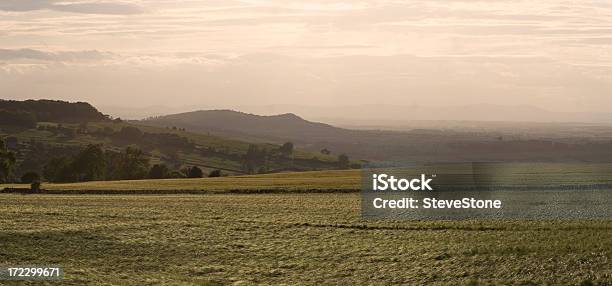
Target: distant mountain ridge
467 112
556 142
285 126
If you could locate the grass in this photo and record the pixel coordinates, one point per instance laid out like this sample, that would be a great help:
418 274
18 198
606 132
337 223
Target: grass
348 180
549 175
305 239
228 144
230 147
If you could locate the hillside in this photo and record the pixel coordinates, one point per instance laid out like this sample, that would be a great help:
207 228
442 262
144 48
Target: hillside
28 112
276 127
526 142
35 146
491 113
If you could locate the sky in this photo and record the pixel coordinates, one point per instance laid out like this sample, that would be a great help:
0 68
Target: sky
169 55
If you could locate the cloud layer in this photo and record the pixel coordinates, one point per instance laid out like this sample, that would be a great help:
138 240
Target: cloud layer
551 54
62 56
86 7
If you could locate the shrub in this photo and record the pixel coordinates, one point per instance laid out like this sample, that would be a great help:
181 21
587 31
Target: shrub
35 187
343 161
158 171
214 173
286 149
194 172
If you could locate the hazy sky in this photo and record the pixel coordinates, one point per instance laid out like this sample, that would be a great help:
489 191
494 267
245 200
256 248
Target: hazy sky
222 53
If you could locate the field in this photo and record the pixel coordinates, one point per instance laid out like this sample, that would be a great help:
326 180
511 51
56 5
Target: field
327 181
289 228
548 175
312 239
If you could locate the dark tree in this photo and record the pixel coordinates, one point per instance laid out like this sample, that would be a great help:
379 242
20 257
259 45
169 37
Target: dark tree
343 161
194 172
59 169
158 171
325 151
93 163
89 164
35 187
214 173
254 159
131 164
30 177
7 163
286 149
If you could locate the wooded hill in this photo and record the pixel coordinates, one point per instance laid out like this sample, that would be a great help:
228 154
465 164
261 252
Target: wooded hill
64 130
27 113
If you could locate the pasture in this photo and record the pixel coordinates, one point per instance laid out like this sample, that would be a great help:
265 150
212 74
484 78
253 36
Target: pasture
311 239
290 228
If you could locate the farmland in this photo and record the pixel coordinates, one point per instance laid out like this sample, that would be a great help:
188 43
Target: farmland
549 175
287 238
168 146
289 228
348 180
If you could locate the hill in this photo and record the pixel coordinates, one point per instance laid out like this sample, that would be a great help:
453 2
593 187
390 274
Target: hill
27 113
530 142
62 137
233 123
368 113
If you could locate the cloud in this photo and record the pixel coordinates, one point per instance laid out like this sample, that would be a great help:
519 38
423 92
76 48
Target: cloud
549 52
86 7
269 78
598 41
325 47
32 54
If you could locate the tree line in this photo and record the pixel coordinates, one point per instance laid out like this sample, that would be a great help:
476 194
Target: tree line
93 163
7 163
256 159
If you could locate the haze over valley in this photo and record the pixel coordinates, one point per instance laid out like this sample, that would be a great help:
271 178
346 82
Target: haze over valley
420 141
